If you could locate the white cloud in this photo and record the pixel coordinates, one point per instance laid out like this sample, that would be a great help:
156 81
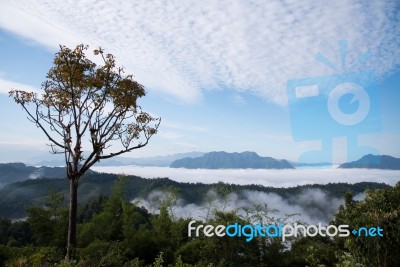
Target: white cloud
311 205
28 23
275 178
6 86
181 48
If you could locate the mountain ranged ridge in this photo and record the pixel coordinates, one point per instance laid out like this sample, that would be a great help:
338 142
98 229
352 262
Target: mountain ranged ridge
374 162
225 160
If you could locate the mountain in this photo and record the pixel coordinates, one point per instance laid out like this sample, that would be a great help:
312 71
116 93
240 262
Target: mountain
374 162
14 172
17 172
224 160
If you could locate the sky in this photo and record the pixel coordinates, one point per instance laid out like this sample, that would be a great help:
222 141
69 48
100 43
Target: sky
306 81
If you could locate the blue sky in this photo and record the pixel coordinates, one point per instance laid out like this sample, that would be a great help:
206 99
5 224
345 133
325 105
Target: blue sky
217 72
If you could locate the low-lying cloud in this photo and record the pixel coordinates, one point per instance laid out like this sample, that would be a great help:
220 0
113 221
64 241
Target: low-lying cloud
311 206
274 178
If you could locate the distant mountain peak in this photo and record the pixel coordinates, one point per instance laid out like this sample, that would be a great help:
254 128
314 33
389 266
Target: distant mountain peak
234 160
374 162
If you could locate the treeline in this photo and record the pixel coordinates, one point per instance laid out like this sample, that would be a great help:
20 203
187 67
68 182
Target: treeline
16 198
115 232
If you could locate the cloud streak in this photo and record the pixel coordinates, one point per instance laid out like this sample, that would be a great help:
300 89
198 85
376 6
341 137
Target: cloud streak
181 48
6 86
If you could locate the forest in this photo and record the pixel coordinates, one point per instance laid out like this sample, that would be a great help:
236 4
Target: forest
113 230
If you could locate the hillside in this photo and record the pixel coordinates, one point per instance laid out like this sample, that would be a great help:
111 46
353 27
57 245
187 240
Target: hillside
16 172
374 162
17 197
224 160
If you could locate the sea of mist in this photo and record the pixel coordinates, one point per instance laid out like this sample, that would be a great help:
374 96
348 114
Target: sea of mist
311 206
265 177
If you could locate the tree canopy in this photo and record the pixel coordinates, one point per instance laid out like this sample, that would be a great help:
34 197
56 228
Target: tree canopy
83 109
82 99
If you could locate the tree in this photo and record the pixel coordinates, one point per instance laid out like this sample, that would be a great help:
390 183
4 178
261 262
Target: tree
47 222
381 207
83 110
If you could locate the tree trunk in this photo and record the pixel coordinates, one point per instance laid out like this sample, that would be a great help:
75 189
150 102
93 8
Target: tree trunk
73 204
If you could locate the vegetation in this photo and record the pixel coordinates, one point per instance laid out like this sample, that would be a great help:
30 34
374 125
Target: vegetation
380 208
17 197
115 232
87 107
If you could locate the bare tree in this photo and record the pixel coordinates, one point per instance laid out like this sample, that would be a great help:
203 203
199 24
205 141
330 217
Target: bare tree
85 109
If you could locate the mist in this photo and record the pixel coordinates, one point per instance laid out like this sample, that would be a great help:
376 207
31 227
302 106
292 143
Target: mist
270 177
36 174
311 206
